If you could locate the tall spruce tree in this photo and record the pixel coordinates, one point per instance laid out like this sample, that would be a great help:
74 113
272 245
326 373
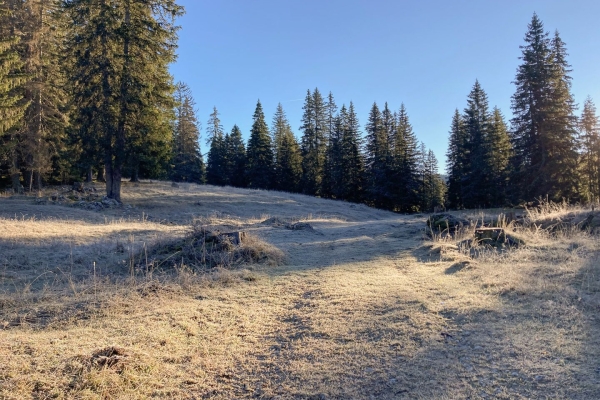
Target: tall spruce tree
377 160
13 105
432 189
404 164
260 168
43 128
288 161
500 156
235 158
188 165
352 164
543 122
314 142
328 183
476 117
457 162
216 173
589 137
121 50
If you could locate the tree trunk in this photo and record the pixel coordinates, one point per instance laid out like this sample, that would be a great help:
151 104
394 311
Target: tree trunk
89 175
135 175
100 177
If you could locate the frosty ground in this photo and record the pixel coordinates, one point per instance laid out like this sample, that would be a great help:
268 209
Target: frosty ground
363 306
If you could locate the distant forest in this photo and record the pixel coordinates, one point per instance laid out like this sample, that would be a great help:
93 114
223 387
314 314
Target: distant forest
86 94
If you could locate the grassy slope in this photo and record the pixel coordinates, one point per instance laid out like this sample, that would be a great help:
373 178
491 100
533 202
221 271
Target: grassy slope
362 307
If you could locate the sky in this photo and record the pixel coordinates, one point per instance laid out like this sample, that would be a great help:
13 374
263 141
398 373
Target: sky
426 54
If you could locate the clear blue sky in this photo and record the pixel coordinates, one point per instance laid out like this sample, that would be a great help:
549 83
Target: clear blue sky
425 54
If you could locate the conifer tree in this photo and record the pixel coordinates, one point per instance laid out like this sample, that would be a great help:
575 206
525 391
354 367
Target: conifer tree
12 102
404 165
313 143
500 155
476 191
259 169
188 165
120 78
43 126
288 161
432 186
458 162
235 160
352 165
543 122
589 134
328 180
216 173
288 166
377 160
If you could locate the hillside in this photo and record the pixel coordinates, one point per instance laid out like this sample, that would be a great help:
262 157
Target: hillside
363 305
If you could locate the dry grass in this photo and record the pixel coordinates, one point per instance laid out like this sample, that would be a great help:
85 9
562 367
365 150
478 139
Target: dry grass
362 307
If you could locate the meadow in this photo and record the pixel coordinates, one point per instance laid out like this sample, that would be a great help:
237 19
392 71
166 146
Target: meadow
352 303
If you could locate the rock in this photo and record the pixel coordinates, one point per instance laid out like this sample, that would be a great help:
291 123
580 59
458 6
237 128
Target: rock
174 185
446 223
108 202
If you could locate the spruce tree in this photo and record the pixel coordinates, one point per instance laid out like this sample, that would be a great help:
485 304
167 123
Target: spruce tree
288 166
120 79
500 156
188 165
260 168
543 122
458 162
12 102
328 180
352 164
235 160
589 134
377 160
43 128
216 173
432 189
313 143
476 191
288 161
404 165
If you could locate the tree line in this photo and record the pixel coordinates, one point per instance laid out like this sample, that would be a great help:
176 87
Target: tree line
548 151
85 93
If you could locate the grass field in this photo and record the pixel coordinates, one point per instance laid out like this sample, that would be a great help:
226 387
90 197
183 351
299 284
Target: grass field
364 306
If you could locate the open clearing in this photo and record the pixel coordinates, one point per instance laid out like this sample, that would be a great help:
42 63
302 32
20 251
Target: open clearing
363 306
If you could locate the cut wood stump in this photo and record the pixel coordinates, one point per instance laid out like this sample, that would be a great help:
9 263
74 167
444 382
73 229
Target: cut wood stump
235 238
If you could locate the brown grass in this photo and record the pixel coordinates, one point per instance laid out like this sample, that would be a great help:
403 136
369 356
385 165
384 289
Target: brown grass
362 307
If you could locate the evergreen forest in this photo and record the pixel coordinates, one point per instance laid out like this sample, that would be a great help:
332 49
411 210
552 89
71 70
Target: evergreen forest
86 95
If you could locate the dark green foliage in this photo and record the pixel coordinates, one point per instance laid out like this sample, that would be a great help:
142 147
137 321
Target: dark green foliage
404 174
589 138
351 165
476 117
13 104
288 160
499 164
187 158
313 143
120 80
431 185
377 160
332 137
235 158
543 123
458 162
216 173
260 168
